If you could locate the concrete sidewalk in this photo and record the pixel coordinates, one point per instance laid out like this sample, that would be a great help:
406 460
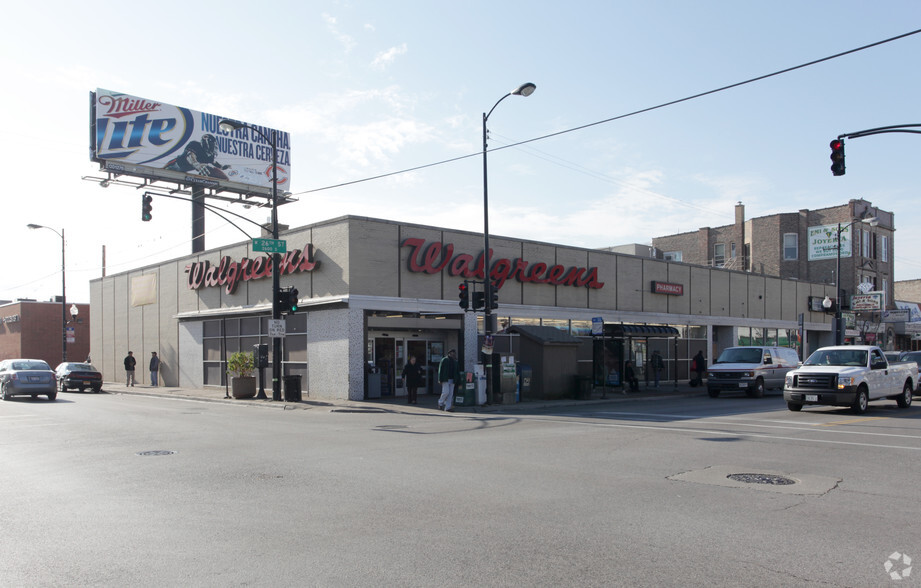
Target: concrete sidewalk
427 402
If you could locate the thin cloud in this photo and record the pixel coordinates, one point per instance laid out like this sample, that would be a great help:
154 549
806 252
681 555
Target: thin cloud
385 59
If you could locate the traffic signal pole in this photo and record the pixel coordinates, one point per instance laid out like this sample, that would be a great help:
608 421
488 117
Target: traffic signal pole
837 145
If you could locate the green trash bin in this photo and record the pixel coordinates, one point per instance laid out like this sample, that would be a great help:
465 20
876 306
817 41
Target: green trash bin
465 391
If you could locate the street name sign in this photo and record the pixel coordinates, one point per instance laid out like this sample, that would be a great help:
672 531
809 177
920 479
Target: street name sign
270 245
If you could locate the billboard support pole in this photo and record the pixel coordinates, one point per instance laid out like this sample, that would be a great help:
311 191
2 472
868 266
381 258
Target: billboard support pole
198 220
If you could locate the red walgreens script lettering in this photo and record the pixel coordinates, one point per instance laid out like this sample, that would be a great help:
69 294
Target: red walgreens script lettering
230 273
435 257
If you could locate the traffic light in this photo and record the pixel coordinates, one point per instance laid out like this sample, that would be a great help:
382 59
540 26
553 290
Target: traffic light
292 300
837 157
493 297
146 207
464 296
281 299
479 300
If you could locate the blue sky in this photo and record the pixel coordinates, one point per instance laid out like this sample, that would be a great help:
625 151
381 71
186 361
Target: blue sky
368 88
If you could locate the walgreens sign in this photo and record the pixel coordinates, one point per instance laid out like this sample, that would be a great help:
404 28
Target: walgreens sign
436 257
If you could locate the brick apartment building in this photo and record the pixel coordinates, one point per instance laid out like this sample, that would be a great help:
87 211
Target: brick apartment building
35 330
798 245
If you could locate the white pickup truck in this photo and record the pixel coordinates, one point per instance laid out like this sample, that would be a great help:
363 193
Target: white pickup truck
850 375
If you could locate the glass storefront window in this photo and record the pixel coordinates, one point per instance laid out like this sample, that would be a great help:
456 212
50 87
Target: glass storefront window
581 328
517 320
561 324
745 336
696 332
243 334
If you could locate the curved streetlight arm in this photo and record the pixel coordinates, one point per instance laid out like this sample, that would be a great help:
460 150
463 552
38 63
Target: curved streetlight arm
525 89
63 289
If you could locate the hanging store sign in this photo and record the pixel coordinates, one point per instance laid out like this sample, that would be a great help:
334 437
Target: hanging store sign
865 302
435 257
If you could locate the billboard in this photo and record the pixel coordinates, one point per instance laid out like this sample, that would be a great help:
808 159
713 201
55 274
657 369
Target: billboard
823 242
139 137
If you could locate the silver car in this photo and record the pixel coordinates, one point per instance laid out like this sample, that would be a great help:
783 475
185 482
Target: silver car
27 377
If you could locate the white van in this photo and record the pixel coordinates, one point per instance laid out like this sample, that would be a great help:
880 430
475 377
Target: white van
750 369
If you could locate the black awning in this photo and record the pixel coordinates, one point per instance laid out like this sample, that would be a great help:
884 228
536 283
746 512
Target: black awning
638 331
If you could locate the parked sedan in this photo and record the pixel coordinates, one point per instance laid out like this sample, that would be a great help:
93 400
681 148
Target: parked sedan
27 377
78 375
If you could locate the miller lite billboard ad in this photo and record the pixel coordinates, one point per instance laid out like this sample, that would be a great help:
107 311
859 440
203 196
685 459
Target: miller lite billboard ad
140 137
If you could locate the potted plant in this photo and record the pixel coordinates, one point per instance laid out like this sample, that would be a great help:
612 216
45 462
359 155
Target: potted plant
240 367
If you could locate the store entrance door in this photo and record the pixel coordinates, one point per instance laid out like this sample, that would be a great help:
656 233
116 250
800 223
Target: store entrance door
385 362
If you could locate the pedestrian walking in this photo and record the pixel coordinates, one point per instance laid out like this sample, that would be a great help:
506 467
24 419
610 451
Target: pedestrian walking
656 364
154 368
699 365
130 362
412 376
447 372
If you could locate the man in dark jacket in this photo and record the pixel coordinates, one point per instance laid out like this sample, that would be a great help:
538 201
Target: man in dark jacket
412 375
130 362
447 372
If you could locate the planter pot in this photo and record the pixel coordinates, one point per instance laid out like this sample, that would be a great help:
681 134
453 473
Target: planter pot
243 386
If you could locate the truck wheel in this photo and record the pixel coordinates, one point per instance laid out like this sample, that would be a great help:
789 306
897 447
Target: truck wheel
862 401
758 390
713 393
795 406
904 399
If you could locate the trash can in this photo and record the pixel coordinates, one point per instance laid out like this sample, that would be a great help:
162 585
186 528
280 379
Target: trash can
583 386
292 388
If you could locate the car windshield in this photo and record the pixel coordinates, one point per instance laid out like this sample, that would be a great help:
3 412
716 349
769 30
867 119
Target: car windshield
740 355
30 365
914 356
848 357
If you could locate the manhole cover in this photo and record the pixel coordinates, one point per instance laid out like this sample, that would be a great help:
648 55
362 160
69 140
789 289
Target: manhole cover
156 452
762 479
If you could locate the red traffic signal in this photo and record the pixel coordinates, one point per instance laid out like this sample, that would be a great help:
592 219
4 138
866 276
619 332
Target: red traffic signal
464 296
837 157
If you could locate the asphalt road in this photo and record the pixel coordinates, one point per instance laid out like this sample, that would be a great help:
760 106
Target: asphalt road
624 494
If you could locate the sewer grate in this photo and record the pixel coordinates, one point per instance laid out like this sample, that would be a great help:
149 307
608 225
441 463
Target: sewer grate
156 452
762 479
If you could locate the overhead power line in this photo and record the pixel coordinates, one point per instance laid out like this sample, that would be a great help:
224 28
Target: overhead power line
618 117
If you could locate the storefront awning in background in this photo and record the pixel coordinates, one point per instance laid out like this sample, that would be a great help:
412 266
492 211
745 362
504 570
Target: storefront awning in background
637 331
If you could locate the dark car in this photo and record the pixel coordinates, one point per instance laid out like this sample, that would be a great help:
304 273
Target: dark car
78 375
27 377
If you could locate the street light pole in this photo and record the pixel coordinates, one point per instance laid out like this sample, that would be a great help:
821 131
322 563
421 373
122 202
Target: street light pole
233 125
63 291
523 90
